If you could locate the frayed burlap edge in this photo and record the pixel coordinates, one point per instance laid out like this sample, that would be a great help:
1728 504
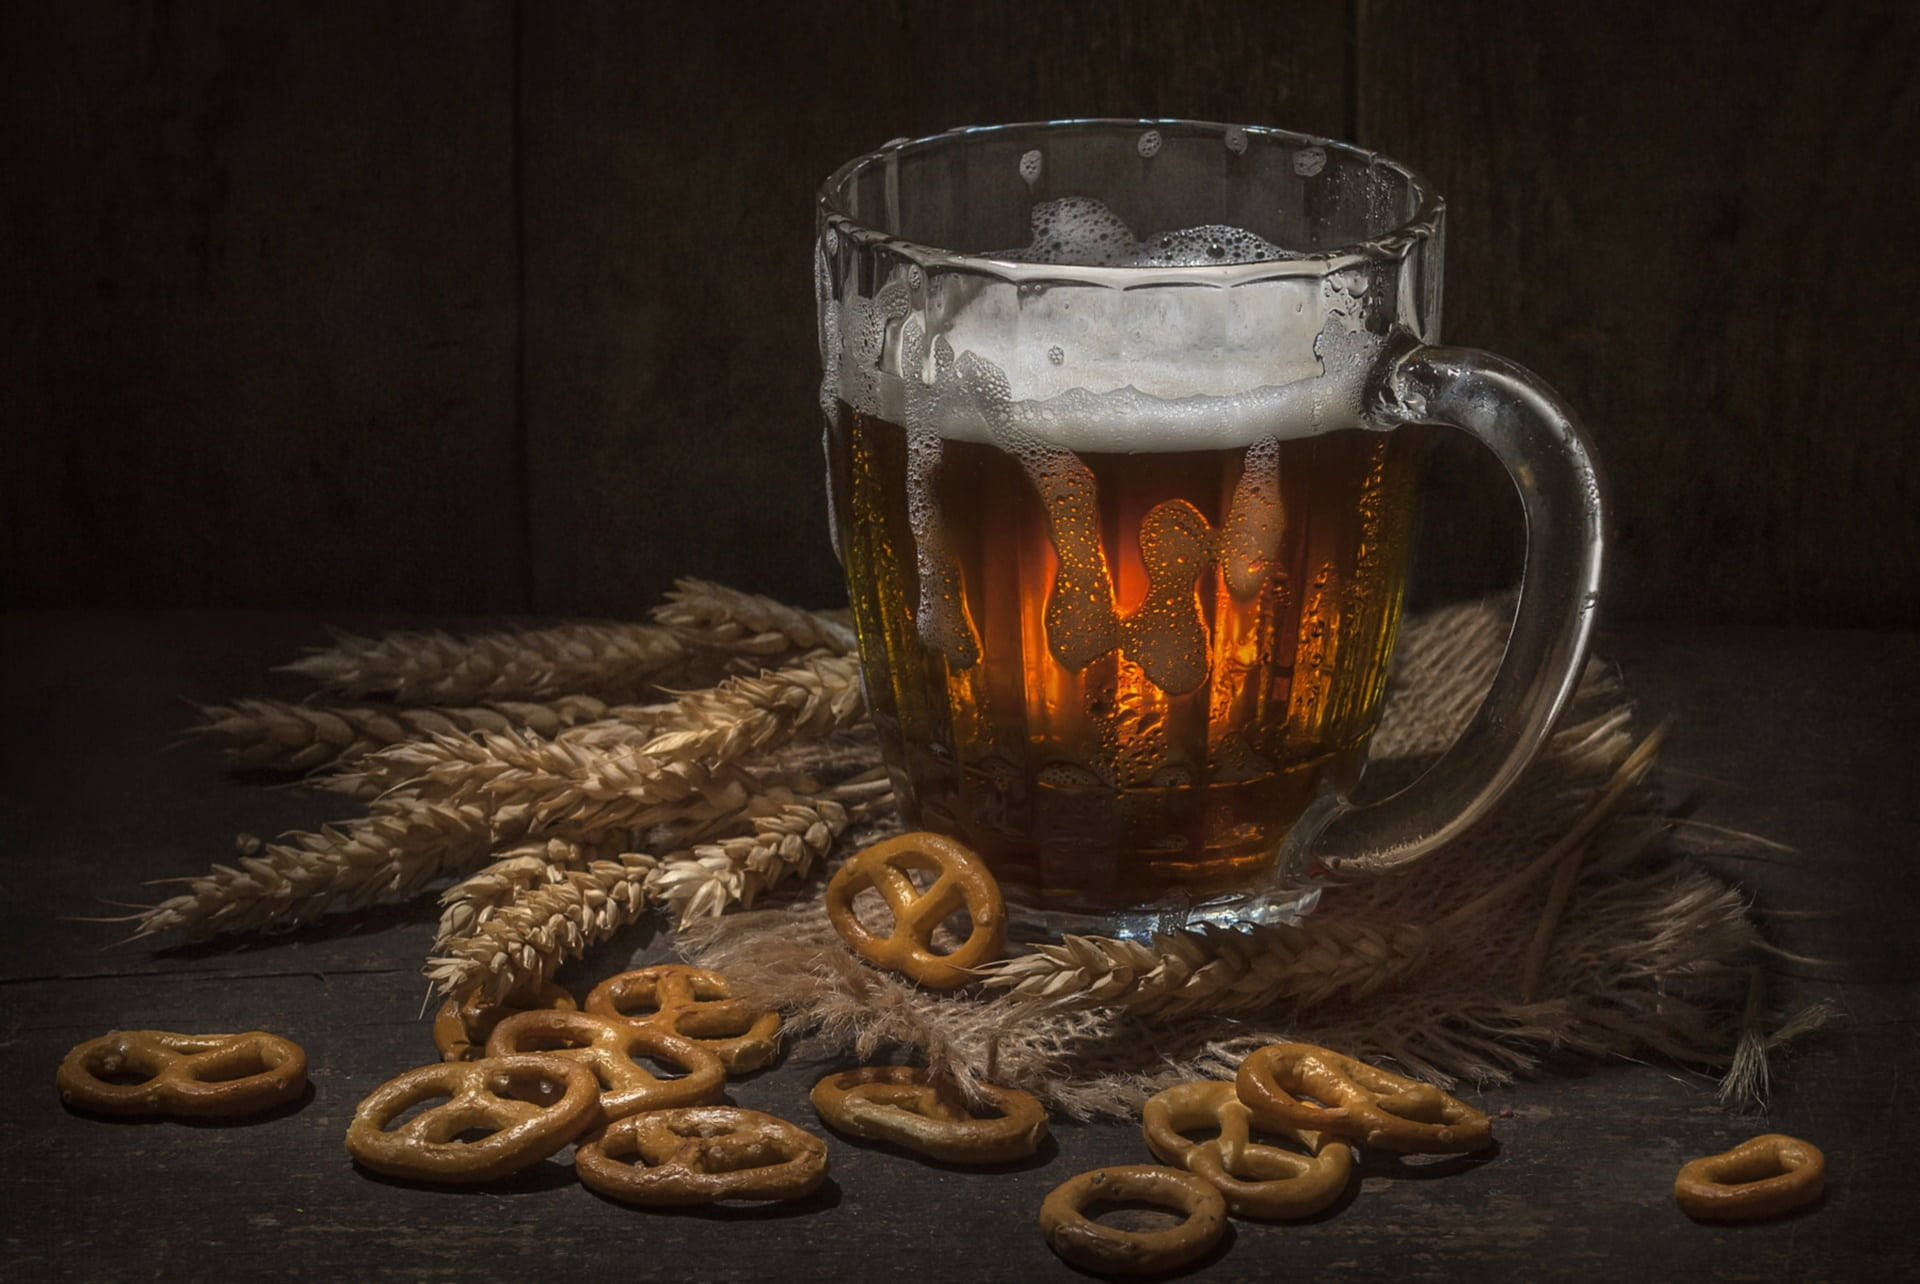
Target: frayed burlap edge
1616 946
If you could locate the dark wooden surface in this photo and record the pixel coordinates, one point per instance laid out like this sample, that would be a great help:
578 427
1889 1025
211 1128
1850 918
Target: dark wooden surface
504 306
1808 737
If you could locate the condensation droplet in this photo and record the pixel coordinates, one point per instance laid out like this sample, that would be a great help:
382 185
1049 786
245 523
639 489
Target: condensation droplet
1237 141
1309 161
1149 142
1030 167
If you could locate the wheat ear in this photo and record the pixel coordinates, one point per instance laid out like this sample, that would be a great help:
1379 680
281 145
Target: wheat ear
705 880
276 733
524 942
391 853
517 870
519 664
726 619
1214 970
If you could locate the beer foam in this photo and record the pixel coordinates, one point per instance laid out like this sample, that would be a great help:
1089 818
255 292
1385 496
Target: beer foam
1086 366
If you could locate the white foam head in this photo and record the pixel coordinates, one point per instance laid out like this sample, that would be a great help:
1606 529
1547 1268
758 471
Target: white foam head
1091 366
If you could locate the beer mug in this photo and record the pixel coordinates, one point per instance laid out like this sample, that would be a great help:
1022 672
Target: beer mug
1121 450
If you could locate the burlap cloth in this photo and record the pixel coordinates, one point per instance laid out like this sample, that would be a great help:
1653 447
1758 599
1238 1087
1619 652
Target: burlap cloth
1636 951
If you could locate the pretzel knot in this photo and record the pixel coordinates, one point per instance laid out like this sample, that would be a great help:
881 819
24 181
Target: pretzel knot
199 1076
460 1029
610 1048
1087 1243
904 1105
1763 1176
695 1004
960 880
698 1154
1375 1107
1258 1180
527 1107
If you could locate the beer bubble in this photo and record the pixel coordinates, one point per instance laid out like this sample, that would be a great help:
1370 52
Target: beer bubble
1309 161
1236 140
1030 167
1056 354
1149 143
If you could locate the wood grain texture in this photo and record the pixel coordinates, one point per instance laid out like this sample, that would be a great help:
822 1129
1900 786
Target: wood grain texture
1684 217
257 337
672 155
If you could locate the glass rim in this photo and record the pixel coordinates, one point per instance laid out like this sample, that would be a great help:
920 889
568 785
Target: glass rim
1422 225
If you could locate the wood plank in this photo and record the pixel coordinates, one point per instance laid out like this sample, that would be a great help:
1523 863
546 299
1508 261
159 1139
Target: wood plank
258 340
672 363
1679 216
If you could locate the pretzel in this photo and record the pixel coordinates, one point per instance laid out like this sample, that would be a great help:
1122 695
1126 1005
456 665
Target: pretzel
1257 1180
460 1030
531 1106
1763 1176
608 1047
197 1076
1094 1247
961 879
696 1005
699 1154
1375 1107
903 1105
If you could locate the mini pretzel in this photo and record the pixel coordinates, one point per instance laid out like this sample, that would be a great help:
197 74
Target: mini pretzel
199 1076
1761 1177
460 1030
962 879
698 1154
531 1106
608 1047
696 1005
1375 1107
1257 1180
903 1105
1088 1244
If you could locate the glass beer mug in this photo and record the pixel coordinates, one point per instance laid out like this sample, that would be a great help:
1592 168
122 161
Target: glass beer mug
1121 482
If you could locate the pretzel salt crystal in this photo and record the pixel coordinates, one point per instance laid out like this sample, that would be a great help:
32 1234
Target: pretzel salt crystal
1089 1244
695 1004
199 1076
528 1107
1375 1107
1258 1180
1763 1176
460 1029
698 1154
609 1047
961 879
906 1106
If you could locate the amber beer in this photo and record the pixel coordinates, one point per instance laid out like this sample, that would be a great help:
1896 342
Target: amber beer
1130 672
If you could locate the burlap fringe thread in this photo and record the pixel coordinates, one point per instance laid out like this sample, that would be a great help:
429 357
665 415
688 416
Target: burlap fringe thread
1559 923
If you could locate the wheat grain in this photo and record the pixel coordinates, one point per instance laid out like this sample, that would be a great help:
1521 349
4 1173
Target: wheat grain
276 733
520 664
1214 970
726 619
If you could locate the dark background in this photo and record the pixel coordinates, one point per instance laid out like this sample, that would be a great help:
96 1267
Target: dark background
504 307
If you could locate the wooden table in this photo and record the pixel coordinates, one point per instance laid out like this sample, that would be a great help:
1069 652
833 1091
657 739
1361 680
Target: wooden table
1806 737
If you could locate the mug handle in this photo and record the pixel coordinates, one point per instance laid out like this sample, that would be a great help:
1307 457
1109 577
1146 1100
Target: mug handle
1546 452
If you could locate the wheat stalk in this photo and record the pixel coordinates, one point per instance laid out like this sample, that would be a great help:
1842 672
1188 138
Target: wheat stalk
715 616
1214 970
438 668
706 880
276 733
391 853
523 943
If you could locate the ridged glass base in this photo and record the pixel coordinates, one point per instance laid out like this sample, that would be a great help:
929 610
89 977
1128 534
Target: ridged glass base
1290 904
